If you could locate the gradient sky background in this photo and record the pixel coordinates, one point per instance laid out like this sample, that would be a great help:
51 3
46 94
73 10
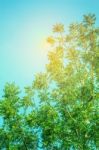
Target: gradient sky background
24 26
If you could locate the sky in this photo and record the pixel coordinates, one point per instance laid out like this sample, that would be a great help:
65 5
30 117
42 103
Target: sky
24 27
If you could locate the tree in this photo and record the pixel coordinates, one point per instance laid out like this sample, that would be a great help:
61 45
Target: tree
60 110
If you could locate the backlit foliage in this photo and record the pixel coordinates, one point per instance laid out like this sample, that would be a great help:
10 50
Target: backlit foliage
60 110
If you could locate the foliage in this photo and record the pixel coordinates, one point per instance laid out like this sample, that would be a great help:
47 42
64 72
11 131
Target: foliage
60 110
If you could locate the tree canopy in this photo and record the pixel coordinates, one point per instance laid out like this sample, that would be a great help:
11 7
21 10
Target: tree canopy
60 110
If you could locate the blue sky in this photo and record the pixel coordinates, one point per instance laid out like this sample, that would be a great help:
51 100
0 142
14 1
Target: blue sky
24 26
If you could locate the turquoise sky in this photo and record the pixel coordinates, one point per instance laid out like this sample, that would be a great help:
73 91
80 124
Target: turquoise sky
24 26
